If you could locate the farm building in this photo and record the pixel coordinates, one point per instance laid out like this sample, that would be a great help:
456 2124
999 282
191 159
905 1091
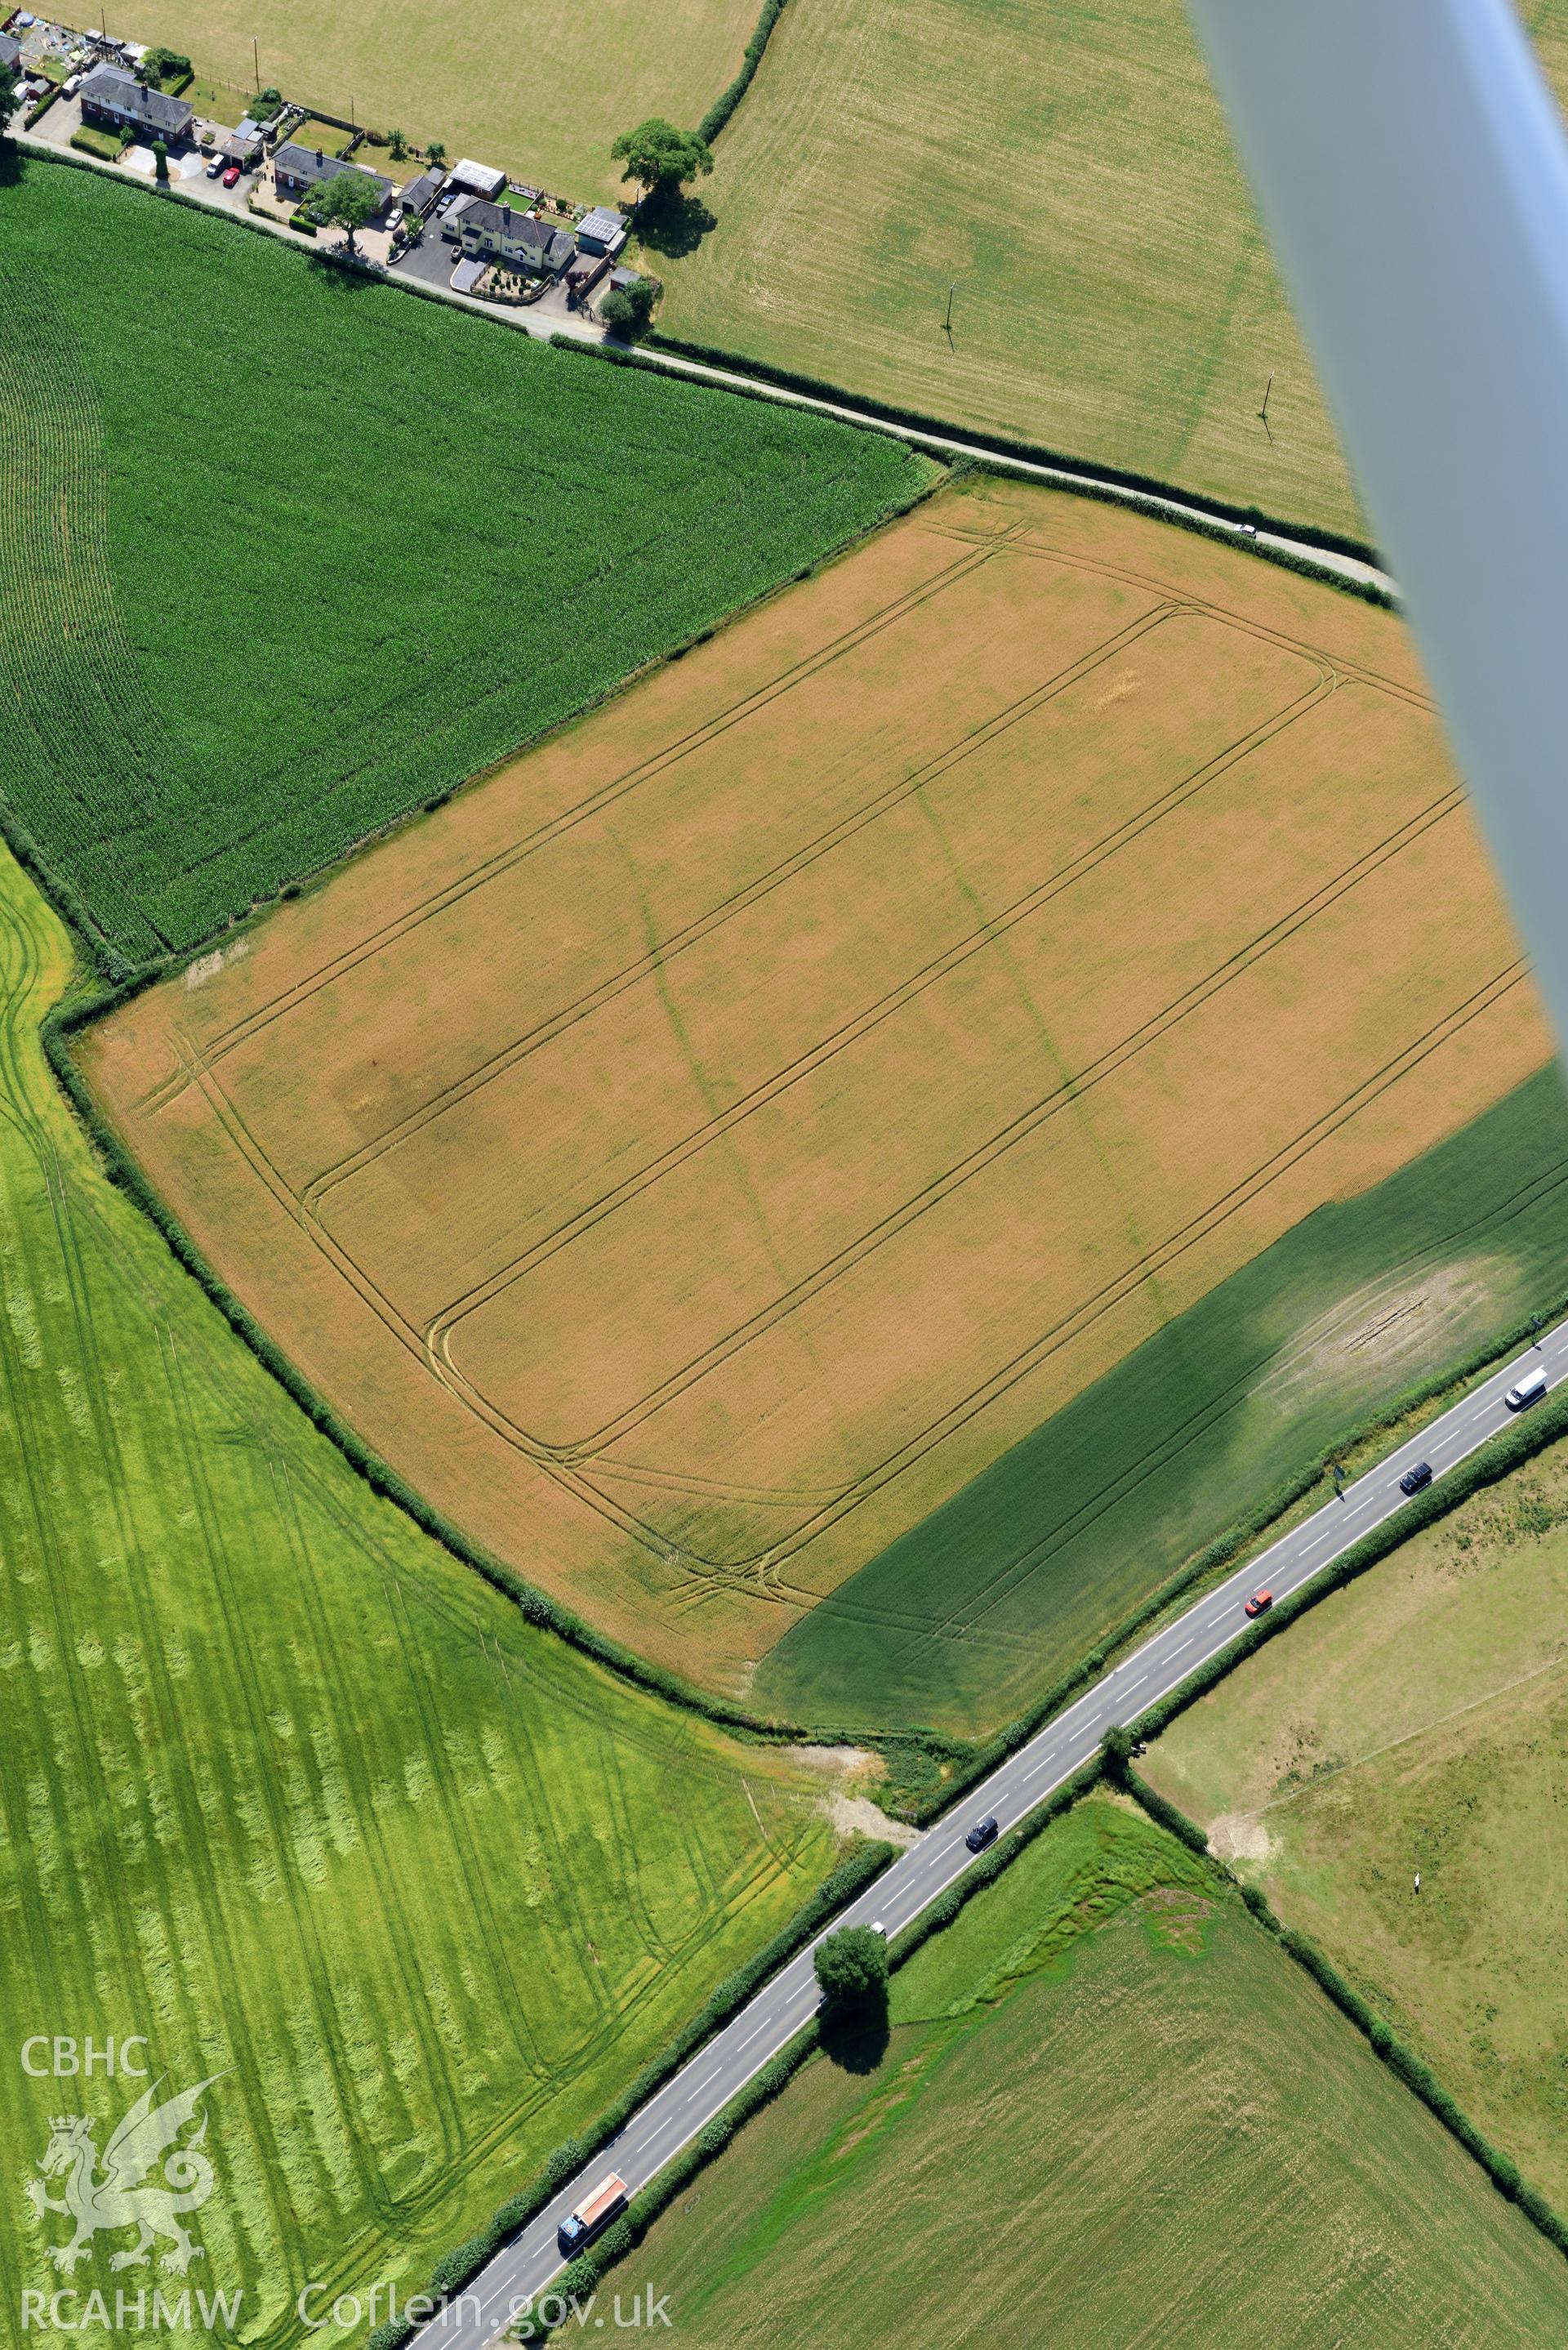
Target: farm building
496 230
602 231
477 178
119 100
297 170
244 148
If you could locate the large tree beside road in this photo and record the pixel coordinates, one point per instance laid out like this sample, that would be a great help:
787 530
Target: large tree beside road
350 200
852 1969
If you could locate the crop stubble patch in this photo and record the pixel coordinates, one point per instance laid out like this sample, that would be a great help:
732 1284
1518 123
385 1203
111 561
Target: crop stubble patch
648 1151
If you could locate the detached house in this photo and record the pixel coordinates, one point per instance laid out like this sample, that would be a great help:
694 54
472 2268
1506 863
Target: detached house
118 100
499 233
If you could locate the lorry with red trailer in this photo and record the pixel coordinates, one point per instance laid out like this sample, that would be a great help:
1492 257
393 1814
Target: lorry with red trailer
593 2215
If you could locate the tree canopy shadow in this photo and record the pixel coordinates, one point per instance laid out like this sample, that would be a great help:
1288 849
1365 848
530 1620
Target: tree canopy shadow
856 2039
673 223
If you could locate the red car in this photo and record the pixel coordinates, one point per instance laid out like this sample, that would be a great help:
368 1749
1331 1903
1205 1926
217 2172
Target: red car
1258 1601
232 176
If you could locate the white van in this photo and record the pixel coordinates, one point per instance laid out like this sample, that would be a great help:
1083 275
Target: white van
1530 1389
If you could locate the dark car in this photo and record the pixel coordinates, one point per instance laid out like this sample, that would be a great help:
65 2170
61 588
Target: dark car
982 1833
1414 1479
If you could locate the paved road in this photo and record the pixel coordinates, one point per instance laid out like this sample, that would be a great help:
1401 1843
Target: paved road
523 2269
543 320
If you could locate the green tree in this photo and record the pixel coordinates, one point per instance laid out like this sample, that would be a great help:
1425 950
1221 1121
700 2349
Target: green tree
161 161
627 309
660 157
1117 1747
267 103
399 146
435 152
10 82
852 1968
350 199
160 65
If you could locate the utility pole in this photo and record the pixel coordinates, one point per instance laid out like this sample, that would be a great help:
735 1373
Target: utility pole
1263 411
947 321
255 61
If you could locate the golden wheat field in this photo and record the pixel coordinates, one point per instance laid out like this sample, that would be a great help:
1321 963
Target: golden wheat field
698 1149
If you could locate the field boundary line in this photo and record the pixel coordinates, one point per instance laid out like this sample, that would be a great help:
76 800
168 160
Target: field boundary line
704 926
1115 1055
629 780
978 1161
1407 1738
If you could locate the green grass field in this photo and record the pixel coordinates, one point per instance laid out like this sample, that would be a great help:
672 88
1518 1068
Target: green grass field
1071 170
1111 2111
289 1792
998 1593
534 90
1419 1720
315 550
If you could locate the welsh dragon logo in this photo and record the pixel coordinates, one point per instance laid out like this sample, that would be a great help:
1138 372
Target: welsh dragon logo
114 2195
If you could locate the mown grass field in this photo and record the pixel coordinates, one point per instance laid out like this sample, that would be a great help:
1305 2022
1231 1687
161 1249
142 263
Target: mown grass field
1002 1589
537 91
316 551
1418 1721
286 1790
1071 170
1111 2111
933 986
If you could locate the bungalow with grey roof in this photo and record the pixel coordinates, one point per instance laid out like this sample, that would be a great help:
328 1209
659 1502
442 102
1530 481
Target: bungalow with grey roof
297 170
119 99
10 54
534 246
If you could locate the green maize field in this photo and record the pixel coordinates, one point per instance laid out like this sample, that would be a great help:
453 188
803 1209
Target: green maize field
289 551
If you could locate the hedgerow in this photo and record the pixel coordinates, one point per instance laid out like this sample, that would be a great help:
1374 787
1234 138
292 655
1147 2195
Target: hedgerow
1419 2078
1546 1424
724 105
224 691
455 2268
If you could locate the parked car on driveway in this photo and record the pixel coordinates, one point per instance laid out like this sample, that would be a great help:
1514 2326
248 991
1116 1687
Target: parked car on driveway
232 176
215 167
